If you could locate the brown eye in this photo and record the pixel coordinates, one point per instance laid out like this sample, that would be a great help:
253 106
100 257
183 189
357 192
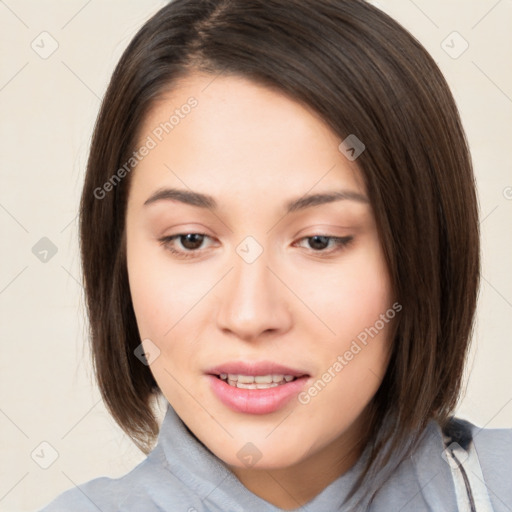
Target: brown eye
191 241
185 245
319 243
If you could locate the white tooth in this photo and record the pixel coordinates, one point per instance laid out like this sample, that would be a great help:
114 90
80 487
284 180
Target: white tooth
224 376
256 382
263 379
266 386
246 379
243 385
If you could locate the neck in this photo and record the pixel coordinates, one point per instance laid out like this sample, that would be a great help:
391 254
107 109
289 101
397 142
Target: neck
293 486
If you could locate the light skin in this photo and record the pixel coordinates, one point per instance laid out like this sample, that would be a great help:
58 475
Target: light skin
301 303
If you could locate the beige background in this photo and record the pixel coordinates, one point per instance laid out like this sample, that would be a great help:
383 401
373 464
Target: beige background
47 110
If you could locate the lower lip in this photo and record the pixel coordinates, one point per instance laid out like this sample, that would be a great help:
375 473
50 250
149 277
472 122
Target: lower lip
256 401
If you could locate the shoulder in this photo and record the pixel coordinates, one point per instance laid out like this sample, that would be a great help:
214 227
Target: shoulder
426 480
147 487
85 497
495 442
493 445
494 449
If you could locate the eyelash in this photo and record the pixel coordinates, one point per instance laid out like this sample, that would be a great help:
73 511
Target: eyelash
340 244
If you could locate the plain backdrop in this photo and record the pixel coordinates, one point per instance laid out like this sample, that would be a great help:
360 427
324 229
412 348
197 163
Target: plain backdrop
48 105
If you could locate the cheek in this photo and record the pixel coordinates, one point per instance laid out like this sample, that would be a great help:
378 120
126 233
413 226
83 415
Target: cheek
150 289
158 310
355 302
160 297
166 303
146 292
351 294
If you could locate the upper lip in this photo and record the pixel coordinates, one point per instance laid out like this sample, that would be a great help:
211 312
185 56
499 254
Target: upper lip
255 368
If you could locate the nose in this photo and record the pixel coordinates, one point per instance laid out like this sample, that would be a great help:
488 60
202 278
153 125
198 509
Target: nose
253 302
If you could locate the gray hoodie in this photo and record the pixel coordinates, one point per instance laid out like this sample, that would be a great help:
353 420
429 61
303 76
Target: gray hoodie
181 474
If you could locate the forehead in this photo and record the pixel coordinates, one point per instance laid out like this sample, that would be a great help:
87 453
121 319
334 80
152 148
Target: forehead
239 137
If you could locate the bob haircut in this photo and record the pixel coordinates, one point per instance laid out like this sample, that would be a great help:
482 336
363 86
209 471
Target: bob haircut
364 74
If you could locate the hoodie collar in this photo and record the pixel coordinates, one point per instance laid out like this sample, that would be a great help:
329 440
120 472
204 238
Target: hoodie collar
201 471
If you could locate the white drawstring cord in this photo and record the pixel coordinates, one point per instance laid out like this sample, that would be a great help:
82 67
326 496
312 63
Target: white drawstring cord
470 488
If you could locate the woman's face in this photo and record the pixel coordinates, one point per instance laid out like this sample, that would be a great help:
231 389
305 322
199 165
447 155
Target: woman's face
272 272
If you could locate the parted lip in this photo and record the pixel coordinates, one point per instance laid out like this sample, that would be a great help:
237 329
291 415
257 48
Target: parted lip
255 368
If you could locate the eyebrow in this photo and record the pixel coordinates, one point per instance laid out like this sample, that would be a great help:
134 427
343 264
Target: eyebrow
206 201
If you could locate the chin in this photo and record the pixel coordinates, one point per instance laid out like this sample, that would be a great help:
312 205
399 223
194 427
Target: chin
253 456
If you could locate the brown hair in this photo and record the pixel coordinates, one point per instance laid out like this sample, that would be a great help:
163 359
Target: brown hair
365 75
